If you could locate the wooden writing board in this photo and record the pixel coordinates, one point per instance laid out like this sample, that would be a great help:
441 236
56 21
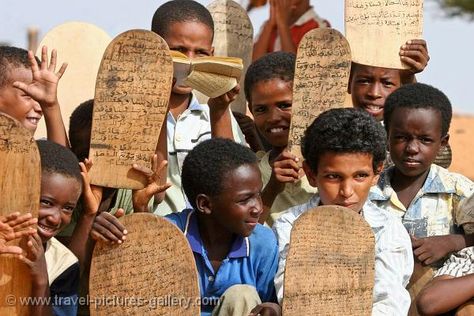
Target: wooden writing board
81 45
376 29
155 266
322 69
131 97
20 188
330 264
233 37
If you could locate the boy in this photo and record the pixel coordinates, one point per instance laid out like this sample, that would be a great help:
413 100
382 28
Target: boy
54 269
187 26
268 89
236 257
424 196
27 91
289 21
344 150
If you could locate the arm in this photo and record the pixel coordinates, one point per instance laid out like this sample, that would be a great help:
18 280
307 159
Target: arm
261 45
15 226
220 114
36 262
283 16
285 170
415 55
445 293
431 249
44 89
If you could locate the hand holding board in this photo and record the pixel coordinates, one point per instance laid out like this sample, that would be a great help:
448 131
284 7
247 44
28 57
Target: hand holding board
377 29
330 265
131 99
323 64
20 174
155 265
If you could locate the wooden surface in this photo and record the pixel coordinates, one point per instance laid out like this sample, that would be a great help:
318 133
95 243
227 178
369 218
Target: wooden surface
376 29
330 264
20 185
131 98
321 77
233 36
81 45
155 265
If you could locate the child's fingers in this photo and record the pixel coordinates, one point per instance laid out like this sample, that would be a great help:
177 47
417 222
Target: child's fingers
52 63
147 172
88 163
98 237
12 250
424 257
62 70
416 42
107 232
109 226
119 213
44 58
10 219
25 224
22 86
33 63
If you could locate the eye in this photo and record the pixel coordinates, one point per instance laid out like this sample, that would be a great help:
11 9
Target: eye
68 209
362 80
203 52
426 140
259 109
45 202
388 83
284 106
361 176
332 176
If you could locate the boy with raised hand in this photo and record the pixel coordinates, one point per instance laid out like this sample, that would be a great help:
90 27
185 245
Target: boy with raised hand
425 197
29 90
289 21
236 257
268 89
187 27
343 152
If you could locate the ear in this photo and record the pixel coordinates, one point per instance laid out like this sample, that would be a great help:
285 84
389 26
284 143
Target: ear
212 51
378 171
351 74
203 204
445 140
310 175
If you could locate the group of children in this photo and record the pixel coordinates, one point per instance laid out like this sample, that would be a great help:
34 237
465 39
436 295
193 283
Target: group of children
219 192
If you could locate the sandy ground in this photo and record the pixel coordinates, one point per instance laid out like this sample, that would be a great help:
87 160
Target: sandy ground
462 145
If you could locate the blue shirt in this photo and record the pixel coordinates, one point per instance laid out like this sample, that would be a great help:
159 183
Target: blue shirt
252 260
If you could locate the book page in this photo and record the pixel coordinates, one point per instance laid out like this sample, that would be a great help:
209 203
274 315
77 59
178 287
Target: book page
212 85
218 68
377 29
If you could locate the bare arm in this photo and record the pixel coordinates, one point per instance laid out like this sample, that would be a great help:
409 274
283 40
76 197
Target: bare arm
260 47
221 123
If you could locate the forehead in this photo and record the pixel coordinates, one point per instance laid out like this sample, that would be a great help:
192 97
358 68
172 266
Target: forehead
345 163
365 70
274 88
61 186
18 74
193 31
240 176
422 118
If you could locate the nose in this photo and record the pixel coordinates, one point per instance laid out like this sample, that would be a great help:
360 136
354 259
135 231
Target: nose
274 115
37 108
257 206
412 147
375 91
54 217
346 189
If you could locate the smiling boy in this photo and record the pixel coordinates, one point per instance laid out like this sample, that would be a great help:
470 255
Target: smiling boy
344 150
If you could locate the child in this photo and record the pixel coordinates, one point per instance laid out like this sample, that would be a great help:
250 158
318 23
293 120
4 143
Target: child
344 150
289 21
452 287
268 89
27 91
236 257
369 86
187 26
54 269
14 226
424 196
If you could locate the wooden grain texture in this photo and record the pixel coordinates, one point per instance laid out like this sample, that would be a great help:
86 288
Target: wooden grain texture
20 185
233 37
81 45
131 97
322 69
152 273
376 29
330 264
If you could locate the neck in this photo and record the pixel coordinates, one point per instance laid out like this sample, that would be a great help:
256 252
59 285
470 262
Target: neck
212 234
401 182
179 103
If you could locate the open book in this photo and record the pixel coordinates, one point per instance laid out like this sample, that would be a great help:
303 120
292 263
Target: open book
211 75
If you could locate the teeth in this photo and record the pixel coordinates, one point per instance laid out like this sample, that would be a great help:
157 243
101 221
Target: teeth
374 107
46 228
33 120
276 130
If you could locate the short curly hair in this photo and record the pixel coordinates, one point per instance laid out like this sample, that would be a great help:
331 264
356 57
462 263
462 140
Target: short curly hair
57 159
180 11
419 96
345 130
11 58
80 123
205 166
277 65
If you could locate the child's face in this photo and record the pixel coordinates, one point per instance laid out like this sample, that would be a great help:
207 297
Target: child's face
239 206
270 104
59 196
370 86
414 138
343 178
192 38
15 103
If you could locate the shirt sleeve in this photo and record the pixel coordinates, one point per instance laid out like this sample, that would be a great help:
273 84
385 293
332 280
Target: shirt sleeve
459 264
393 269
266 273
282 230
236 131
64 292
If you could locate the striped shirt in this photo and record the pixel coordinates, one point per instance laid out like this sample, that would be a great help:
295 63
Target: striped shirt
459 264
393 256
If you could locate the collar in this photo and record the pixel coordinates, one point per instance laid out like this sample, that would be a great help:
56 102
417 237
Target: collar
436 182
240 247
307 16
194 105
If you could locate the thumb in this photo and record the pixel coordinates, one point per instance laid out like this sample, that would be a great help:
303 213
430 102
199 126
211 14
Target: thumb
120 212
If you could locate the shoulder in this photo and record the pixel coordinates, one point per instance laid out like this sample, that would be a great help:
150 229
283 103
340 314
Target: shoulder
59 259
262 237
283 225
180 219
459 184
385 225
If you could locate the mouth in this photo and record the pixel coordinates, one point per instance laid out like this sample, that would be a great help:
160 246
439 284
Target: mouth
373 108
411 162
277 130
33 120
47 231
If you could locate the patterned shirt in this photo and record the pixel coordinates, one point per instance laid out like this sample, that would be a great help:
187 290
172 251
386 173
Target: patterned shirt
393 256
436 209
459 264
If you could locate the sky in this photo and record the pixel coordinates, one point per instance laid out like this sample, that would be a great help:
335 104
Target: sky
450 40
